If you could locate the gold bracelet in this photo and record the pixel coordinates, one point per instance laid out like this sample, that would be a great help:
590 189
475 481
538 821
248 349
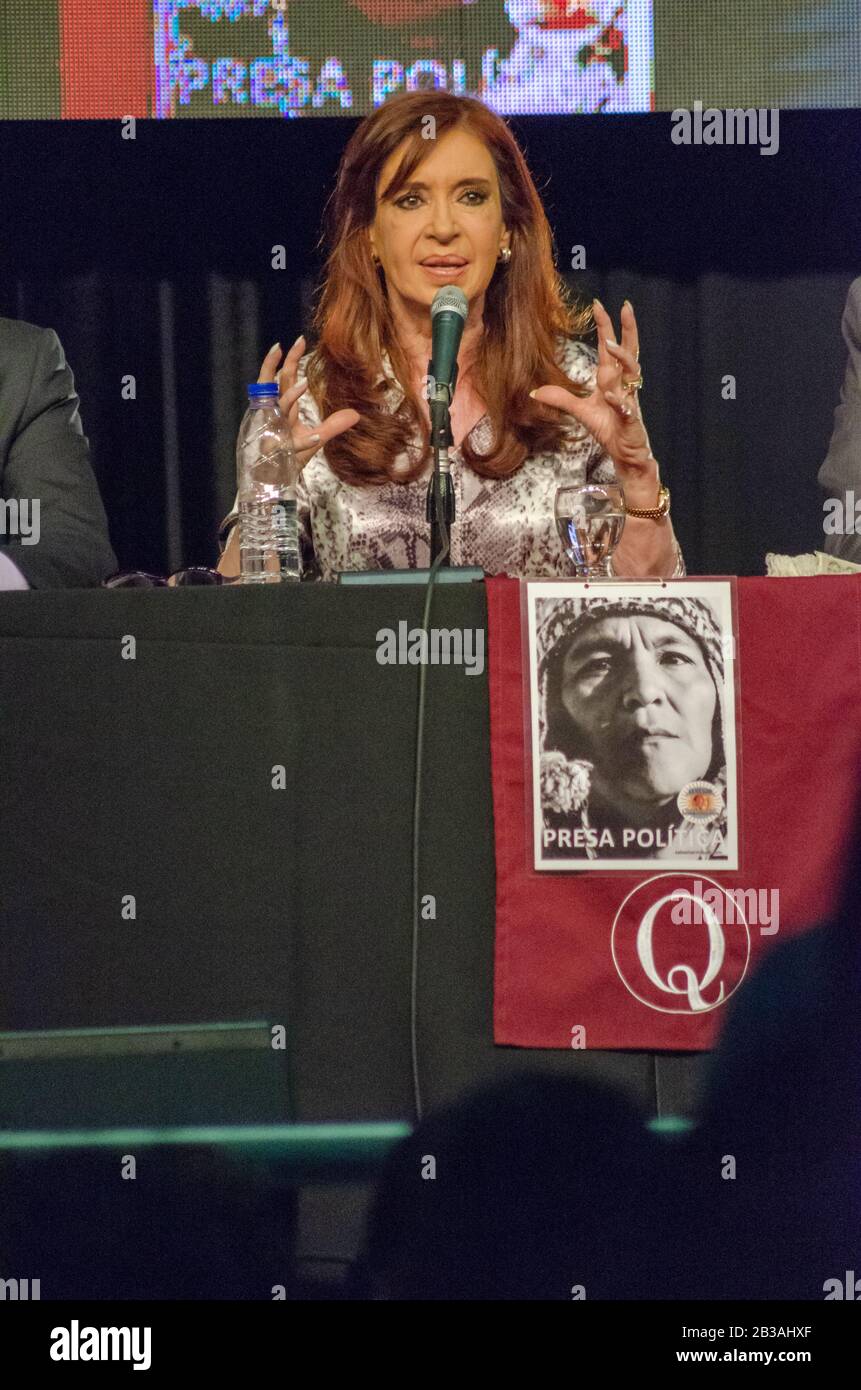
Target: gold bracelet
653 513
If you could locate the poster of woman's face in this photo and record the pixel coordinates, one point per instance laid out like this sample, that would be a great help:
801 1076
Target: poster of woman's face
632 716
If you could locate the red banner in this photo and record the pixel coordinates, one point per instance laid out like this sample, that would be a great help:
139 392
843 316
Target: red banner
604 961
107 63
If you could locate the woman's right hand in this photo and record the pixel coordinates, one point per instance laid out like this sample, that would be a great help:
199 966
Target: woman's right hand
305 442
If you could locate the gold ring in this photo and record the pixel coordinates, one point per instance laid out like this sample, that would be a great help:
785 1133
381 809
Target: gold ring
634 385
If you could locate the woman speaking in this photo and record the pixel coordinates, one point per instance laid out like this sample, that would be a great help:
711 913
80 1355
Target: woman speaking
433 190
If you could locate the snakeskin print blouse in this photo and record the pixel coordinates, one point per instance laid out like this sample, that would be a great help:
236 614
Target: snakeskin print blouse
502 525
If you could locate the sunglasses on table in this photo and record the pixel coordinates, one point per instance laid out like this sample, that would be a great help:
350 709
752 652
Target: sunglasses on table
139 579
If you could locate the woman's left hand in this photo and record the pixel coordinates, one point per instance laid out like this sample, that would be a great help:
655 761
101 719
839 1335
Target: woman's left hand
611 413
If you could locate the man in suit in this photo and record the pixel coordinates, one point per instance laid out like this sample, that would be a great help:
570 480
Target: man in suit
840 474
53 528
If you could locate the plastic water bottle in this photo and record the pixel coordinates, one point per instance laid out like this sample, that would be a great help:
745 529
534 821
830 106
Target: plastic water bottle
266 472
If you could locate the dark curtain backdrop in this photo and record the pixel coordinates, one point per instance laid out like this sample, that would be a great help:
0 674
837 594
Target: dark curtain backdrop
152 258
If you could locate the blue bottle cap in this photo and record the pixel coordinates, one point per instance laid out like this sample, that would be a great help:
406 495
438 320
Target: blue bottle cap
258 389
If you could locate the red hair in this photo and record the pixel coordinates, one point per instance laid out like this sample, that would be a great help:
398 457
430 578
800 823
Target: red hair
525 307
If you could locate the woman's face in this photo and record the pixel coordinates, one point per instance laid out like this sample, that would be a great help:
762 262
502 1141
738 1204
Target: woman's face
451 207
642 700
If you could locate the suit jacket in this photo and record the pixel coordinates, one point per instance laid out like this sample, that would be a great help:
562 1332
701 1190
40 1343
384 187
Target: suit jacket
45 455
841 471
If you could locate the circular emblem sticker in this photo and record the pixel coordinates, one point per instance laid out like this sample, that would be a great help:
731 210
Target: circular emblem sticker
680 944
700 802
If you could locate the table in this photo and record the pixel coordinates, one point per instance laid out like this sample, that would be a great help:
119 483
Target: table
152 777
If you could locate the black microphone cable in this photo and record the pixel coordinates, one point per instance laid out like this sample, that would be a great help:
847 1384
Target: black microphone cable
417 796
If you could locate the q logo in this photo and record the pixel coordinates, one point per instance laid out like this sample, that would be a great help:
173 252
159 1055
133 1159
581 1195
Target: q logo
682 962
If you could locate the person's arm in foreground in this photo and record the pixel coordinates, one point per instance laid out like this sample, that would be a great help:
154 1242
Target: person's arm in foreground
62 538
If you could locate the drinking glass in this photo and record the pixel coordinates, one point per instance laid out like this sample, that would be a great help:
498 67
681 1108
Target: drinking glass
139 579
589 520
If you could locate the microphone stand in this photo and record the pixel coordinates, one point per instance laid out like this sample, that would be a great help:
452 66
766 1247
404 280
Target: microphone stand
439 509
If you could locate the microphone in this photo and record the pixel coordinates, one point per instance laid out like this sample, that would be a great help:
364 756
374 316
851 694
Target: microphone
448 315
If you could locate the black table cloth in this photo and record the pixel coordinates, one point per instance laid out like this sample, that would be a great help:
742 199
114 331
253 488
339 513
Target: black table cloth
150 777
